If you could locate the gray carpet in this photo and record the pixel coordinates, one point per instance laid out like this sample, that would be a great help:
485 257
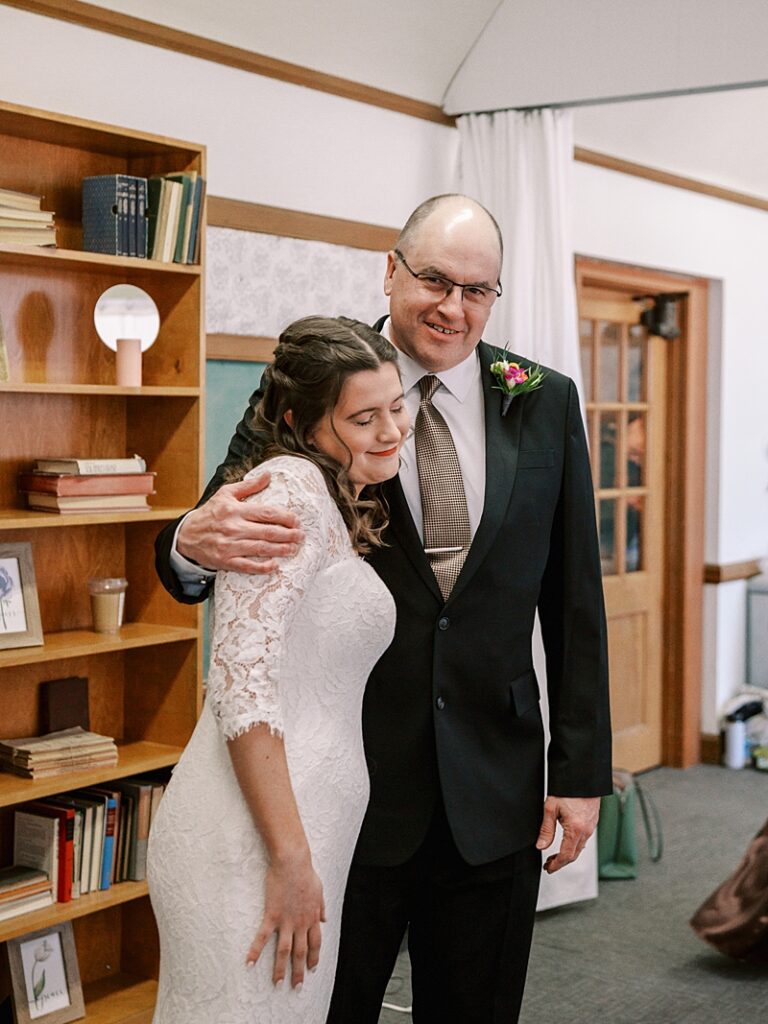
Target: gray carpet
629 957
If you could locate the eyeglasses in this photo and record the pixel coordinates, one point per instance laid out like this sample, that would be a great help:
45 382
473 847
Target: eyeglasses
441 287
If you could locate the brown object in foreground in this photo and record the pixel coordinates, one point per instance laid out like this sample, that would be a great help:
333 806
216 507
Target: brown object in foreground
734 919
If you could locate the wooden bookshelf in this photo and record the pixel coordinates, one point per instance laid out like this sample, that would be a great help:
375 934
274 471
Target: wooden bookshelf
61 397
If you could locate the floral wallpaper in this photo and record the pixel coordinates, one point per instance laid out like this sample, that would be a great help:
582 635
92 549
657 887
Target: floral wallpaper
257 284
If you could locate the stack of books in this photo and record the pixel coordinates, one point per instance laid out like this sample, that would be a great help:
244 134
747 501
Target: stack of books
80 842
175 205
22 890
157 218
56 753
69 485
22 222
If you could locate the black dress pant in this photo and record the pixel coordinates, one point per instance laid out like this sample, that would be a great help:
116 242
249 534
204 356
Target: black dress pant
469 934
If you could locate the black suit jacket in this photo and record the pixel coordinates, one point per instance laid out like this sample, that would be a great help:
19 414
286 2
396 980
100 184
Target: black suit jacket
451 710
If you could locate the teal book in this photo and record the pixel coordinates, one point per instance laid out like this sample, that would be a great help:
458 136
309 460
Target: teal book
195 220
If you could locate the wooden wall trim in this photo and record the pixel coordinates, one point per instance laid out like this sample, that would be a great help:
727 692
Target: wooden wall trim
142 31
612 163
241 348
273 220
731 571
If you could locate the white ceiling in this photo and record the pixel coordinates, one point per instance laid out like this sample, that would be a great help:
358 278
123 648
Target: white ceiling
490 54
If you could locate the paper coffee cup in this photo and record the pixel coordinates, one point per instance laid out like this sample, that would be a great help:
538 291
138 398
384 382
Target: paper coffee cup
107 603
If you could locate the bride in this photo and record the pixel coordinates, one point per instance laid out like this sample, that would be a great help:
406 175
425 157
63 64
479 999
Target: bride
250 849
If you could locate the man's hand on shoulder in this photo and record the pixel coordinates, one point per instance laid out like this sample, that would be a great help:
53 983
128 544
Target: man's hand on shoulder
578 818
228 532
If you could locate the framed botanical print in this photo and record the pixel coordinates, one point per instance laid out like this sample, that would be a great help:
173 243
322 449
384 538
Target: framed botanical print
45 978
20 624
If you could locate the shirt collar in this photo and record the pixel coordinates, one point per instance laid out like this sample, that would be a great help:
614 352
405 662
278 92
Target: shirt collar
458 380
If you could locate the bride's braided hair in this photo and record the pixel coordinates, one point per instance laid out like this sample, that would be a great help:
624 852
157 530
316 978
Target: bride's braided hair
313 359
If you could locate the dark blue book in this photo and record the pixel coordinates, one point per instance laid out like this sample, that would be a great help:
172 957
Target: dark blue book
132 203
105 214
141 218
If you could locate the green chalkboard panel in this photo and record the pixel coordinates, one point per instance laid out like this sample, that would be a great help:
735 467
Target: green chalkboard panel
228 387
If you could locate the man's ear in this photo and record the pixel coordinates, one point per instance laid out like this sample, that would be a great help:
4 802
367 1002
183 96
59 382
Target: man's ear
288 417
391 264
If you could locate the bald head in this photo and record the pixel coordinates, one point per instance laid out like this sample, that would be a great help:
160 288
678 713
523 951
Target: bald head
449 239
452 207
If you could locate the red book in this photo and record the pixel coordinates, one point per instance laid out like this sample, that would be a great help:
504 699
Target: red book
66 816
93 484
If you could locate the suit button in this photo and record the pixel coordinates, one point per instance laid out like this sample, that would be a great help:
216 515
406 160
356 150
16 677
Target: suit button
443 623
439 703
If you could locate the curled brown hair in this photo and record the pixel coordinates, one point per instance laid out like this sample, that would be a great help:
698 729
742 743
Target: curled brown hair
313 359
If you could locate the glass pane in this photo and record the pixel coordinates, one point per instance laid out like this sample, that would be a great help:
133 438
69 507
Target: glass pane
609 434
585 339
608 536
636 356
609 335
635 442
635 532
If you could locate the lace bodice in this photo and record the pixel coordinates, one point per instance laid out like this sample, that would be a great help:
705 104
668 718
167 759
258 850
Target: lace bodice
252 614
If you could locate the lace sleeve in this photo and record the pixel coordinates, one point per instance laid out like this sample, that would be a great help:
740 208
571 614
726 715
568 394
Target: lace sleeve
253 613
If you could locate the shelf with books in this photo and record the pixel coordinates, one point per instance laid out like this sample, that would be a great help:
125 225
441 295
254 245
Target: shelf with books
83 643
135 758
120 892
77 260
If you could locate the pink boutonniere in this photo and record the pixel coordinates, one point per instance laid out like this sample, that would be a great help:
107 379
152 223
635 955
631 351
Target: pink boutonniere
514 379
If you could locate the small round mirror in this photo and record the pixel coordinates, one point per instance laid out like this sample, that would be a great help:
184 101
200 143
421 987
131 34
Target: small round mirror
125 311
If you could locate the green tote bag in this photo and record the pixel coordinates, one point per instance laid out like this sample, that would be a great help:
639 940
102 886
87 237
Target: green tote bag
617 855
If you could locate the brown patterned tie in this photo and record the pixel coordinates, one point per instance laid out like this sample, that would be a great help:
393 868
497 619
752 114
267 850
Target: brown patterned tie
447 534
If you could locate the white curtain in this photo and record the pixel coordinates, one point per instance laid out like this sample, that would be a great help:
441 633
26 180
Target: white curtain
518 164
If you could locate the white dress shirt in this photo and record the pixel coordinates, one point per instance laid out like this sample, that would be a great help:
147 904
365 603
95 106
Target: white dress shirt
459 400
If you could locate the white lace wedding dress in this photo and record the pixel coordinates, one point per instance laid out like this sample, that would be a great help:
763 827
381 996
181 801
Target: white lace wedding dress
292 649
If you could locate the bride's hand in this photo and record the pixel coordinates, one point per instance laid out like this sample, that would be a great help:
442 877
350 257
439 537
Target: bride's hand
294 909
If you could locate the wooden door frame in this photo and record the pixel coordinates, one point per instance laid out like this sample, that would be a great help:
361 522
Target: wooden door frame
683 572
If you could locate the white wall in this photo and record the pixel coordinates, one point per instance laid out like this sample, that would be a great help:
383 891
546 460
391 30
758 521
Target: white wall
268 142
631 220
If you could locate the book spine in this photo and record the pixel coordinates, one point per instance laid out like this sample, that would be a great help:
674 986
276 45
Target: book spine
186 185
91 467
101 214
195 220
123 205
133 201
141 218
66 856
109 846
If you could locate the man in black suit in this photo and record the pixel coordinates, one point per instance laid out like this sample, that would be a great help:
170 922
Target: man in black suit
450 847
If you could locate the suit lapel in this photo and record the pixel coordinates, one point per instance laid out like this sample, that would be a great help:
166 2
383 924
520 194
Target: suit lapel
402 525
502 444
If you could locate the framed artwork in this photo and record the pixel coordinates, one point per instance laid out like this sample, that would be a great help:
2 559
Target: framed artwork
19 611
45 979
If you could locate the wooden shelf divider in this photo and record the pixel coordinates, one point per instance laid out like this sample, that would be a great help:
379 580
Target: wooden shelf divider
92 902
135 758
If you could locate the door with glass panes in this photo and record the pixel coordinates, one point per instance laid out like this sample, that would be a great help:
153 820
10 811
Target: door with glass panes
625 399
